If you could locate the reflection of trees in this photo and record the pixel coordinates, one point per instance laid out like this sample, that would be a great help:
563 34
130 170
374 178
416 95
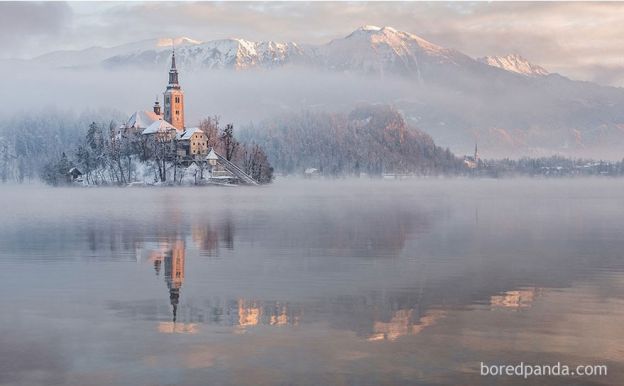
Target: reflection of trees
355 230
210 236
117 239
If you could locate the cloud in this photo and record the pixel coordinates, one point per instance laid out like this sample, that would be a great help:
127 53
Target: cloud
28 26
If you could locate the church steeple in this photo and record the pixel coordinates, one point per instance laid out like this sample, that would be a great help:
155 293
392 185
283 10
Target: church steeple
174 98
173 74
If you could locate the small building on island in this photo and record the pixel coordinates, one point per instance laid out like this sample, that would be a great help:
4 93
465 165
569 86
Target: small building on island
74 175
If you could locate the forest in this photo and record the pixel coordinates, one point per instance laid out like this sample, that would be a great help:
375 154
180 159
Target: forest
554 166
47 145
371 139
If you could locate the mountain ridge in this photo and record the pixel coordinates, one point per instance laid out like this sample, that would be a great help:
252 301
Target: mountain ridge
514 63
368 49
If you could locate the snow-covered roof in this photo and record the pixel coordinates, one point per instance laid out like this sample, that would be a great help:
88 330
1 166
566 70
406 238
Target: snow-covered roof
142 119
188 133
192 167
159 126
212 155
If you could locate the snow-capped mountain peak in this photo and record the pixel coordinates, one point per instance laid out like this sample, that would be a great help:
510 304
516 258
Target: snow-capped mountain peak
369 28
514 63
177 42
232 53
388 35
369 49
381 50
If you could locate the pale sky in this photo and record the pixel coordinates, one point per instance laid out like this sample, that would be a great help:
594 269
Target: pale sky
580 40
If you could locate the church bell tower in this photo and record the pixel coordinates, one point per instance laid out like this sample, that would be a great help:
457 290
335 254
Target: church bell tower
174 98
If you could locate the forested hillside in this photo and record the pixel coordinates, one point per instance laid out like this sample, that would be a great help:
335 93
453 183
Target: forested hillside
372 139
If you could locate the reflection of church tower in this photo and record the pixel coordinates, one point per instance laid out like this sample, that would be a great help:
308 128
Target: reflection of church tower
174 98
174 273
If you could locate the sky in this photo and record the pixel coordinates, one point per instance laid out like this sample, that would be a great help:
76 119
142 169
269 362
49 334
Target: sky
580 40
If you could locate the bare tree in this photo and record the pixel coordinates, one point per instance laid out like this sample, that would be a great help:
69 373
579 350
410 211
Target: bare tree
210 127
229 143
162 149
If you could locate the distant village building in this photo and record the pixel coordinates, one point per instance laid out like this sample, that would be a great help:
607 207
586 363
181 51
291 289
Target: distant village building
74 175
472 161
311 173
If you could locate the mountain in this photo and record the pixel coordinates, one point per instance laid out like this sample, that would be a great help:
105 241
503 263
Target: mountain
235 54
376 50
369 49
508 105
514 63
96 55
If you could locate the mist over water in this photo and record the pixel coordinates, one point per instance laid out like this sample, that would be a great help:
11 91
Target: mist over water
310 282
237 96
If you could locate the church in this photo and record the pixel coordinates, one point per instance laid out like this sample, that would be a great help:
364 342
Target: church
192 149
191 142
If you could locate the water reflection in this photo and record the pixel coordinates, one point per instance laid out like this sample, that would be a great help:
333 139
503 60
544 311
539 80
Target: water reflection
402 284
172 255
516 299
240 313
403 323
388 317
419 304
254 313
209 238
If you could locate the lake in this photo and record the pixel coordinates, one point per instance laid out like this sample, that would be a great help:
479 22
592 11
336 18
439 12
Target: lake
312 282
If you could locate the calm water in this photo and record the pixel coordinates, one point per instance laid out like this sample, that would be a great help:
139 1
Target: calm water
311 283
